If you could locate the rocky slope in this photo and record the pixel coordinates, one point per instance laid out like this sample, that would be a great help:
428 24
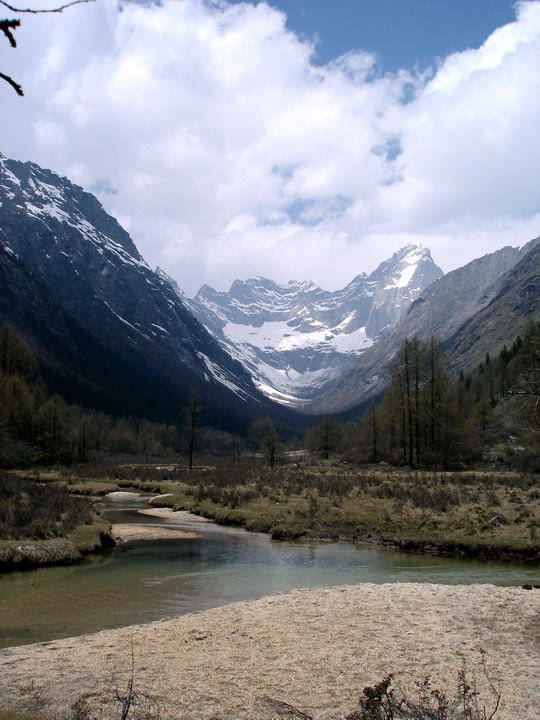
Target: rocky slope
78 263
470 311
516 303
297 340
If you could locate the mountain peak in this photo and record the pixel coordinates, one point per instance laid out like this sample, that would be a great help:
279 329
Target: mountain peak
408 261
412 253
295 339
65 208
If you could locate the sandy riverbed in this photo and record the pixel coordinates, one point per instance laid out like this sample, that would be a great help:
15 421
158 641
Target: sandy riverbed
126 532
179 515
311 649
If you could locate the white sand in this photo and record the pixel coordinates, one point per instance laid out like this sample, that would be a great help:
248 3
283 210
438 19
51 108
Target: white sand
312 649
121 495
180 515
126 532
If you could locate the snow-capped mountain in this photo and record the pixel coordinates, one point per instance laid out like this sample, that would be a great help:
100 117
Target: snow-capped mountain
94 273
469 312
296 340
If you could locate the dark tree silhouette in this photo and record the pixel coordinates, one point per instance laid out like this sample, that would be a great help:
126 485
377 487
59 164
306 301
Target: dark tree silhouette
192 411
262 430
8 27
325 437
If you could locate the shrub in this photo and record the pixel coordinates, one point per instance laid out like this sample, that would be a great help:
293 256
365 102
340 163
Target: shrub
382 702
33 510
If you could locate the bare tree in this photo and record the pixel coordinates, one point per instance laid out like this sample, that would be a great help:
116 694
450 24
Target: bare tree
192 411
8 27
262 430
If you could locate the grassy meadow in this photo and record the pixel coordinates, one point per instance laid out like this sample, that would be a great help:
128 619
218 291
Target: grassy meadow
489 512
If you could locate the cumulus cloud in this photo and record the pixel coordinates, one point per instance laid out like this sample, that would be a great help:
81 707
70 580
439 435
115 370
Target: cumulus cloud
206 128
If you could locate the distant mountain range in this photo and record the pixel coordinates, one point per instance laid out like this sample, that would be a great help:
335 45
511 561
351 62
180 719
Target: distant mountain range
112 333
297 340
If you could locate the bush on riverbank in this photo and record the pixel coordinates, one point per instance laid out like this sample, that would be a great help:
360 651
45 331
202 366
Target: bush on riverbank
382 702
34 510
43 524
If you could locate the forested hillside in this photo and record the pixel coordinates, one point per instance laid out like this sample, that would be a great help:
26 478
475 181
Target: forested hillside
38 427
426 419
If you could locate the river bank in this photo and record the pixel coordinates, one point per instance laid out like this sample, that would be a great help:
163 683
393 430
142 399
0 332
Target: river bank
96 537
427 538
313 650
84 540
126 532
487 513
490 515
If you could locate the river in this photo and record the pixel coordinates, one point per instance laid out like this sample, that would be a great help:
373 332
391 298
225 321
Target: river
141 581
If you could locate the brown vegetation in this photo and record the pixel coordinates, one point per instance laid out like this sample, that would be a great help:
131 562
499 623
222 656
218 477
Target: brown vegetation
484 513
43 524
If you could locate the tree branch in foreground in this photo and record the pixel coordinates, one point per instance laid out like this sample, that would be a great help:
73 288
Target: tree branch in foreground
7 27
33 11
18 89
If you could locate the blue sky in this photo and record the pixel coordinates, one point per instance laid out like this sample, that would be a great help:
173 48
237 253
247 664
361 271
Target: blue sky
302 139
401 32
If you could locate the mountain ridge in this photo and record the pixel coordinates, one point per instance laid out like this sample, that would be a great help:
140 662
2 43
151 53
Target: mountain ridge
109 330
444 310
297 339
93 271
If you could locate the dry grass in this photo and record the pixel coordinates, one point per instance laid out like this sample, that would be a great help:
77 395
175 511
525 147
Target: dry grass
491 512
485 509
313 650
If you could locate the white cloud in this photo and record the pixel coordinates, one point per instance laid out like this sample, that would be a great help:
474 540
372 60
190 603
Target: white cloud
230 153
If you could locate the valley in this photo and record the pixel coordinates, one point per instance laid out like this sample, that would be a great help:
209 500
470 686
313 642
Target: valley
386 432
297 340
270 360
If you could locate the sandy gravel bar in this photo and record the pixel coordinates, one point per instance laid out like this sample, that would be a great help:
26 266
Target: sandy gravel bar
121 495
180 515
126 532
311 649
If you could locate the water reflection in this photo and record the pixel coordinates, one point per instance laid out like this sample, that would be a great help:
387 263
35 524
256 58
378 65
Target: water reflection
142 581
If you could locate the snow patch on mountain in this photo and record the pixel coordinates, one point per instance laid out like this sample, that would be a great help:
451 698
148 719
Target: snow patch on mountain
404 278
281 337
218 373
296 340
47 196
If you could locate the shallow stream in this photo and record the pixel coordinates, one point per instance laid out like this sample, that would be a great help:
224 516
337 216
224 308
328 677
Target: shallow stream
147 580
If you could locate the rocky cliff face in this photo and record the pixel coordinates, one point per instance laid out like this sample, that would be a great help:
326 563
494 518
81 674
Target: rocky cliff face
470 311
296 340
95 275
515 303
